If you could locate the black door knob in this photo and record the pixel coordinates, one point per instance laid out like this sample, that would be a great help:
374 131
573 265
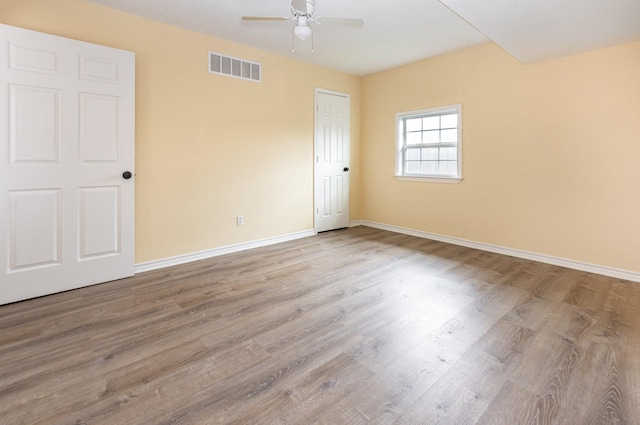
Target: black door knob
127 175
345 169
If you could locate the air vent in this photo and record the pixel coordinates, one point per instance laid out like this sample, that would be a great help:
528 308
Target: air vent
234 67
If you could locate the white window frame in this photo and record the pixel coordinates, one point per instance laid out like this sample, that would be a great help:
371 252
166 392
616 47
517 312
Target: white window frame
401 146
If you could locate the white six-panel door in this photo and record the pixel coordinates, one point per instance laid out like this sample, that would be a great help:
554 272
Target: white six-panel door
66 138
332 148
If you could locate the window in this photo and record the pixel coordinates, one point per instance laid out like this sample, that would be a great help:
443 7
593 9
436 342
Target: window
429 144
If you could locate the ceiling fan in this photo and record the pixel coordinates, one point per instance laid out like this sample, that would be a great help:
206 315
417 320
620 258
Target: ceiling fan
302 12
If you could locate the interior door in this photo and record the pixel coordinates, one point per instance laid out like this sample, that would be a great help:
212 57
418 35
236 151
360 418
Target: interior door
332 144
67 141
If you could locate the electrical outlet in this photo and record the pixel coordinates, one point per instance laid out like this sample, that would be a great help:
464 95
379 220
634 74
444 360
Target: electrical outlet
240 220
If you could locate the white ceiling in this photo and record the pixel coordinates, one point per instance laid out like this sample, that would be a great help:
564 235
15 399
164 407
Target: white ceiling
536 30
397 32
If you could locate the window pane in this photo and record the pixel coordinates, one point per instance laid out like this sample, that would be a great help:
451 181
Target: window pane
449 135
431 123
412 167
413 138
448 167
414 124
450 121
430 154
413 154
430 167
448 153
431 136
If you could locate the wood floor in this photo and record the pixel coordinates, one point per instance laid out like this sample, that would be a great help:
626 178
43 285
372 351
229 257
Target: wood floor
358 326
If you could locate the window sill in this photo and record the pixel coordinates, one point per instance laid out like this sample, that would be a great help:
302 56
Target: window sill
430 179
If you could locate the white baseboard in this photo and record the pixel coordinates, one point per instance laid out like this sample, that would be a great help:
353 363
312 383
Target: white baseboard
542 258
202 255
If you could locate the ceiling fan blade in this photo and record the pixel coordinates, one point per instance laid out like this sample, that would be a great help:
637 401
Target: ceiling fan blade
354 22
300 6
265 18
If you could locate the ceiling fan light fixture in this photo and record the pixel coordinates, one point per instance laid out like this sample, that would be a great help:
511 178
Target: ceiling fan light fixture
302 13
302 32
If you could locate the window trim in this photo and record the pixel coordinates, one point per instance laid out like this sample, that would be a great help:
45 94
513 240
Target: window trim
400 146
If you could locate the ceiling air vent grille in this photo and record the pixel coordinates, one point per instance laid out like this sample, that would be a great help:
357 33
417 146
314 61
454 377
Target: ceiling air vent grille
234 67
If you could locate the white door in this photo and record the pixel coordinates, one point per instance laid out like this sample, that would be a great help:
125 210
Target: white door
66 139
332 142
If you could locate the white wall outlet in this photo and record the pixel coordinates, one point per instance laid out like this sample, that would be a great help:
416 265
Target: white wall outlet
240 220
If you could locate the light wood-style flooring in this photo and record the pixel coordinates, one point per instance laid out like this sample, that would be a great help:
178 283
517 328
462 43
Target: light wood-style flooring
357 326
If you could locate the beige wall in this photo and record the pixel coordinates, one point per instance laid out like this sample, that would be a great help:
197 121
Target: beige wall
551 152
208 147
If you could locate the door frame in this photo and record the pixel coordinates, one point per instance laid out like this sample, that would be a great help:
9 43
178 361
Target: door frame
316 183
